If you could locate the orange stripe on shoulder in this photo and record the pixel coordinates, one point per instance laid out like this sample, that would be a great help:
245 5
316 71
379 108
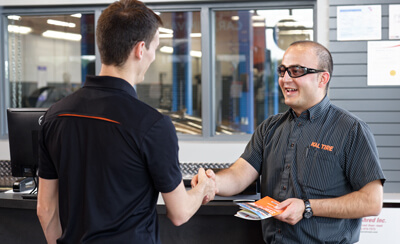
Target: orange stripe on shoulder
89 117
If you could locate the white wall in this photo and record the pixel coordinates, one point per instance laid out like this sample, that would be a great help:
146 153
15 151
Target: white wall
58 56
4 150
223 152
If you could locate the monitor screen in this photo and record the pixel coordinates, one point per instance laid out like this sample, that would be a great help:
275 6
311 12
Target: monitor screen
23 134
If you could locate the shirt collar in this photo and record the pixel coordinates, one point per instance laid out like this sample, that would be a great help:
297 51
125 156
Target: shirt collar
110 82
315 111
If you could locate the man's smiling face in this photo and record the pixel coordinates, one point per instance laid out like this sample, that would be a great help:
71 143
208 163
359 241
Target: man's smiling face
306 91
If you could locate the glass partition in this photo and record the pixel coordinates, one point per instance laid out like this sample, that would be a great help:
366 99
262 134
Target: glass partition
249 45
48 57
173 82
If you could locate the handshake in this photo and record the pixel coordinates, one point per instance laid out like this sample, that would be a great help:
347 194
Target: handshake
206 182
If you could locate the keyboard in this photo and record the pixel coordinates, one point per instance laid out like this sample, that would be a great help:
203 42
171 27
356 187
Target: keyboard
190 169
6 179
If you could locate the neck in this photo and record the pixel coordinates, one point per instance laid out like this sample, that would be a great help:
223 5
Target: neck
119 72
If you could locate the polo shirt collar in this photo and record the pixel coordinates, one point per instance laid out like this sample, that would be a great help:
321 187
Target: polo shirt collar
315 111
319 109
110 82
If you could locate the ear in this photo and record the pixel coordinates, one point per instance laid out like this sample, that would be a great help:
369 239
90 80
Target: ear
324 79
138 49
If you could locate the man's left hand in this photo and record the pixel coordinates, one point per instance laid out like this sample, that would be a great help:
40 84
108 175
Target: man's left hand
293 212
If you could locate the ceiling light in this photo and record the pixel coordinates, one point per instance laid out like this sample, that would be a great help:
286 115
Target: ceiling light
60 23
258 24
170 50
166 49
76 15
165 30
14 17
166 35
88 57
19 29
195 34
62 35
196 54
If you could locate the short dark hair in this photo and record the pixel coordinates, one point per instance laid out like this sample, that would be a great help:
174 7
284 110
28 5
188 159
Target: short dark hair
325 61
121 26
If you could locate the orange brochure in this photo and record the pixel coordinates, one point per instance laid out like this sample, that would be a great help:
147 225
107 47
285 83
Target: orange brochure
261 209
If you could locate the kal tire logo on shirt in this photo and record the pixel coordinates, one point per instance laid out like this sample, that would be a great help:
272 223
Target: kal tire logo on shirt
322 146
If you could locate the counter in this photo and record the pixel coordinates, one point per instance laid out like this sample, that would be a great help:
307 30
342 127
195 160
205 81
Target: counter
213 223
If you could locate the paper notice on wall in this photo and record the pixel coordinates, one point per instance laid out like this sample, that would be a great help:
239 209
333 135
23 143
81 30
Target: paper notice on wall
394 21
359 22
41 76
381 229
383 63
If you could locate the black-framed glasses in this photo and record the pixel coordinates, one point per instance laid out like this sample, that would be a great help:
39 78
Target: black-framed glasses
296 71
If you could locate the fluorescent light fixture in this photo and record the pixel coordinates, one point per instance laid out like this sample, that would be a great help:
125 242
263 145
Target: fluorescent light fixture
167 35
170 50
19 29
76 15
254 17
14 17
166 49
196 54
165 30
60 23
258 24
162 35
88 57
62 35
195 34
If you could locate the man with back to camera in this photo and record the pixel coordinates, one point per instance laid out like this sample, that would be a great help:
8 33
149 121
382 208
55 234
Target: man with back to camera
105 155
319 160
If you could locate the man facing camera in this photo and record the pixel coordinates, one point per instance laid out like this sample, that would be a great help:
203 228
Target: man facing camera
104 155
318 160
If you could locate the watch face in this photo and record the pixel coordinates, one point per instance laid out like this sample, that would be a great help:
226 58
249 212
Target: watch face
307 214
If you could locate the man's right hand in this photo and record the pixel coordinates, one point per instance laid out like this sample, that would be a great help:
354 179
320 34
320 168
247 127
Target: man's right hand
208 179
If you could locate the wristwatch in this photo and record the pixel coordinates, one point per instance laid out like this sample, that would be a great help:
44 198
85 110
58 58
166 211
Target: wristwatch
307 211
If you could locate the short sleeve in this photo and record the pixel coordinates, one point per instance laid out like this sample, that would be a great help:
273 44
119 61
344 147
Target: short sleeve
160 150
362 159
253 152
47 168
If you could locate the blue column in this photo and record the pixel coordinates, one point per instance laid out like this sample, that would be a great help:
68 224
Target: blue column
245 68
87 45
276 89
182 96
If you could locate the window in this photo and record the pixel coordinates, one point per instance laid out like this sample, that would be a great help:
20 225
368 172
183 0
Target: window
214 72
173 82
249 45
49 57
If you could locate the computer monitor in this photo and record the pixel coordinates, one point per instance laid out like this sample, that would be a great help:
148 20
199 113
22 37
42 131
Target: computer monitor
23 133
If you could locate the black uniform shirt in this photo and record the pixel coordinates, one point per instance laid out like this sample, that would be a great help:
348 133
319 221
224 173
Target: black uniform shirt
112 155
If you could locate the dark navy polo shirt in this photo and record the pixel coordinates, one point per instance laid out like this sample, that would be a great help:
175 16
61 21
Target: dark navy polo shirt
326 152
112 155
